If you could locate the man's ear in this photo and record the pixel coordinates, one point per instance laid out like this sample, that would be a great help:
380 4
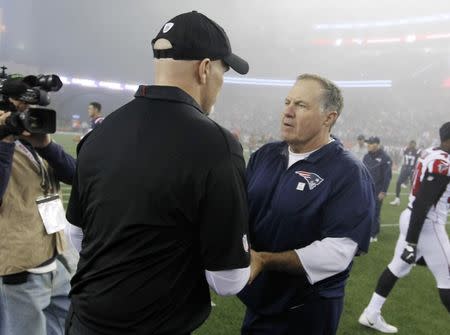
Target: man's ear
204 69
331 119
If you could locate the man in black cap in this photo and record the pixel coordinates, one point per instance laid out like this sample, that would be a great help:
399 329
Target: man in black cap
160 196
379 164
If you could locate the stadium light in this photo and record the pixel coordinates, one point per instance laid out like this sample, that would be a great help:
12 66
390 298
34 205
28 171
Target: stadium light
384 40
84 82
64 80
233 81
410 38
111 85
437 36
385 23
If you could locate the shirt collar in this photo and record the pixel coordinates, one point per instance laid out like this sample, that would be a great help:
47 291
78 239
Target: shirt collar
167 93
319 153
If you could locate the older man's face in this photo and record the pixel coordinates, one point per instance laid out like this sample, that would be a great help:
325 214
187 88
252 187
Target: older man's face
302 119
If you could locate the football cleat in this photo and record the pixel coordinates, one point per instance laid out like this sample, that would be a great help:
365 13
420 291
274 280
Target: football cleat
377 322
395 202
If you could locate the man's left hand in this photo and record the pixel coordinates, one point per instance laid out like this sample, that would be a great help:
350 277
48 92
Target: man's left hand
381 195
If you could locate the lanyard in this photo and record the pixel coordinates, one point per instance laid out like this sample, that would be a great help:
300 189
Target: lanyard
37 161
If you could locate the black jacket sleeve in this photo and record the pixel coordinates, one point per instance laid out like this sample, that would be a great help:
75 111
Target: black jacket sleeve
62 163
6 158
431 190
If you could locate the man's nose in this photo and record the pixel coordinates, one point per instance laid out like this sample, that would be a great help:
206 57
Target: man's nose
289 111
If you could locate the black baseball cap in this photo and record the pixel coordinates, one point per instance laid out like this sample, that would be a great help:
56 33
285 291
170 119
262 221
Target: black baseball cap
360 137
194 37
444 132
373 139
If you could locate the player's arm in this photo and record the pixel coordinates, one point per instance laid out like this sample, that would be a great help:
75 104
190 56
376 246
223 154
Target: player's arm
431 189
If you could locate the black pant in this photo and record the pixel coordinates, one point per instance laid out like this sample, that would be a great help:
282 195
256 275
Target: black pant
405 174
375 229
317 317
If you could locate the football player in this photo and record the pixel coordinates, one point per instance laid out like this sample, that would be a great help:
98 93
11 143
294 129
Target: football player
422 232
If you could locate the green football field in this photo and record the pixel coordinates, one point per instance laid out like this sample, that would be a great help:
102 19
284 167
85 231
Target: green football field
413 306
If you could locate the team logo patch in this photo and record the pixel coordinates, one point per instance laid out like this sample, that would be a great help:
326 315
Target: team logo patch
300 186
167 27
245 242
443 168
440 167
312 179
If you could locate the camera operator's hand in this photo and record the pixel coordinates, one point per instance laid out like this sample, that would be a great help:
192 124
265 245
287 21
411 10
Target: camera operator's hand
37 140
3 117
20 105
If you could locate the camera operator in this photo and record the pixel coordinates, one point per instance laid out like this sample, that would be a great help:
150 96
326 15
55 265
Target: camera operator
34 276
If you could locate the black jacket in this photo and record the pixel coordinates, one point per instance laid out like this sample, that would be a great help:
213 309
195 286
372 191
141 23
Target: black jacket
379 165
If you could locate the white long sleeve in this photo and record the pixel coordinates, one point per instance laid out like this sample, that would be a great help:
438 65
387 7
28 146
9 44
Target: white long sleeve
228 282
325 258
74 235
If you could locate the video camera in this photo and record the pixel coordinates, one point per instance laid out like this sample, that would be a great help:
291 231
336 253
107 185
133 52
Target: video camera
32 90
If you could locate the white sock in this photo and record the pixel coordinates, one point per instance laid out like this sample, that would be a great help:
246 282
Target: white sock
375 304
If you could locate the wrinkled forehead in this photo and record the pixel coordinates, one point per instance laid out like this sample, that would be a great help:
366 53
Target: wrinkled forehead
307 90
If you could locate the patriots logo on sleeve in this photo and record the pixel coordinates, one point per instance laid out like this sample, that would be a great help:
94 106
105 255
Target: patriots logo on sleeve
312 179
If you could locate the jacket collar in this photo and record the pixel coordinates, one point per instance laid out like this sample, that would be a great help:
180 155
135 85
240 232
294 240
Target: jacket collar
167 93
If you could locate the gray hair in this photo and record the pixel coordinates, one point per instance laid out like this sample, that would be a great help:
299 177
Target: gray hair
332 99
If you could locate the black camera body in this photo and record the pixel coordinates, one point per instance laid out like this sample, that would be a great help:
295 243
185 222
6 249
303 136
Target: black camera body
34 120
32 90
